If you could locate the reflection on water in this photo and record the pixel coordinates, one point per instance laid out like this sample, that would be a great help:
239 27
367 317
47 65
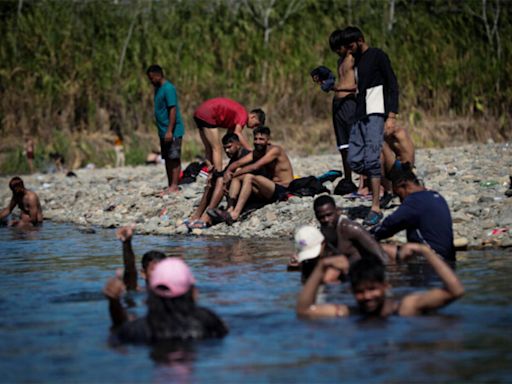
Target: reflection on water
55 322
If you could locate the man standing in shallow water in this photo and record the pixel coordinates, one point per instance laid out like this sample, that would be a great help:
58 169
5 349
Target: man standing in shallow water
27 201
169 123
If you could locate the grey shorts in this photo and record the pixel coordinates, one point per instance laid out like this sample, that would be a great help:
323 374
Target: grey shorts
343 112
171 150
365 146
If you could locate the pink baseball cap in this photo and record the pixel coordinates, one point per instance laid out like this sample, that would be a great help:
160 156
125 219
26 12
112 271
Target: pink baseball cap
171 278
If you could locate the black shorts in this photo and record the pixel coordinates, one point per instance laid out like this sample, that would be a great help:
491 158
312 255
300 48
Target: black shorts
171 150
203 124
280 193
343 113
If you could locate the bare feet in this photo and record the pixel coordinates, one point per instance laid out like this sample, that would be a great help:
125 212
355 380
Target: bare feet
169 191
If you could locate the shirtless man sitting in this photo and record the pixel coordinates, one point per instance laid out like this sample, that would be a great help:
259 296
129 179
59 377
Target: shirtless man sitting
266 172
27 201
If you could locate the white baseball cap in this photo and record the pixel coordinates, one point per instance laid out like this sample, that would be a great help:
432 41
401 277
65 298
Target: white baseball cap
308 242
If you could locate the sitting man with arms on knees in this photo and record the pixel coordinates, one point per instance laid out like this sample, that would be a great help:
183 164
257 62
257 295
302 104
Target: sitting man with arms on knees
370 289
267 172
214 190
344 236
172 310
424 214
28 203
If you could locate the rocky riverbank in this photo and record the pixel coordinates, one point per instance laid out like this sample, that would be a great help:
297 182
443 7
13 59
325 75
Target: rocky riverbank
472 178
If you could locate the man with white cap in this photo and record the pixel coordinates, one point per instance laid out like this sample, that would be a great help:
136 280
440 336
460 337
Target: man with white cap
172 310
311 246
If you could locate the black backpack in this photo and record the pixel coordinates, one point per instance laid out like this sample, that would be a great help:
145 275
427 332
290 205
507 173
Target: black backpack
190 173
307 186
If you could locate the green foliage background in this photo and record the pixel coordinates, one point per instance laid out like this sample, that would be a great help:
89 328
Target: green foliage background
67 67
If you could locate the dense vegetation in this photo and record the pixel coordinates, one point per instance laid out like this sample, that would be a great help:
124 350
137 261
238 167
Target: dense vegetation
70 68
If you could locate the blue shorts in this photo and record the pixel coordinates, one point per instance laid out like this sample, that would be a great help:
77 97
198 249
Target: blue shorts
365 146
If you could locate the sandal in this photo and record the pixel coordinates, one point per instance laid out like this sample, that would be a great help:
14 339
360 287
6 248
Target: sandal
226 217
373 218
215 215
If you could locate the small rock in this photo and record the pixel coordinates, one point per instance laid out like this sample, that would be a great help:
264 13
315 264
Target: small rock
182 230
460 243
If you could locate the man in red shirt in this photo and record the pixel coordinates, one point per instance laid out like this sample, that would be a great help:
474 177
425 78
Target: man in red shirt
222 112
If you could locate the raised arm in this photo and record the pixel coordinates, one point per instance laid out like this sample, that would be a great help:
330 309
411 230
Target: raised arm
113 290
306 306
417 303
125 234
243 140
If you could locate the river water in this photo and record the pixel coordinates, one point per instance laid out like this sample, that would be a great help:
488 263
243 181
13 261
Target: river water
55 325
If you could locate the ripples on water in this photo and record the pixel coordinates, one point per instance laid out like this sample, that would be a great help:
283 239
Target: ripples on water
54 319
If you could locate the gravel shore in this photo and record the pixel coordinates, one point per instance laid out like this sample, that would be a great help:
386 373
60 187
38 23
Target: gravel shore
473 179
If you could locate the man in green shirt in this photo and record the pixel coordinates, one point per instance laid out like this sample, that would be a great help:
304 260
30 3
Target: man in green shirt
169 123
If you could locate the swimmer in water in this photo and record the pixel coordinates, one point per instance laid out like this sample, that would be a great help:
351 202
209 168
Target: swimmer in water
27 201
173 313
370 289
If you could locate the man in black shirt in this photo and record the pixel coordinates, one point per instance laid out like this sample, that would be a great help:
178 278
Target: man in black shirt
377 107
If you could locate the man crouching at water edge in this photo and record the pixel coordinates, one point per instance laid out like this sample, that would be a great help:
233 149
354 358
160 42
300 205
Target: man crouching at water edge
266 172
27 201
424 214
172 310
370 289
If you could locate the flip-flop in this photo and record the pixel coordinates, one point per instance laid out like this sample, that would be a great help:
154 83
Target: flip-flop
214 215
225 217
197 224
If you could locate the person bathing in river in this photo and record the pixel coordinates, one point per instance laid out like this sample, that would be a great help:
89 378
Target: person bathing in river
370 289
28 203
173 313
312 247
344 236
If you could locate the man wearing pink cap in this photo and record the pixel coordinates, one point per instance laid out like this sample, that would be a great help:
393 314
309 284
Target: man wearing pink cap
172 310
221 112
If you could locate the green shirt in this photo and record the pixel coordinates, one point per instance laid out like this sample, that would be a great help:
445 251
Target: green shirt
166 97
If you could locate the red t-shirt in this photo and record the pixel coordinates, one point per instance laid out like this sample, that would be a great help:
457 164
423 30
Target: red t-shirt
222 112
